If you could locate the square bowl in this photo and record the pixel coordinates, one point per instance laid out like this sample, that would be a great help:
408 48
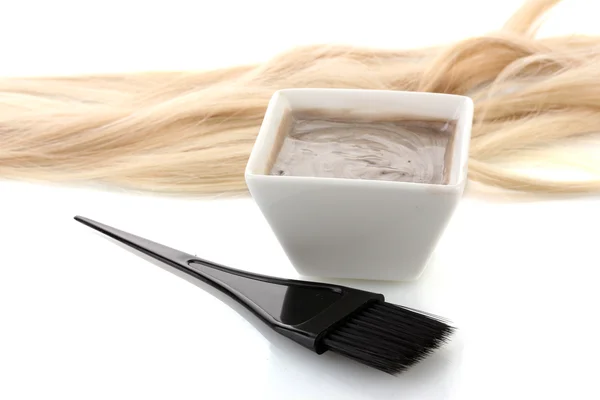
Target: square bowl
358 228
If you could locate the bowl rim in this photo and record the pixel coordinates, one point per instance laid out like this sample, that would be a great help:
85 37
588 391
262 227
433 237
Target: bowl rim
460 147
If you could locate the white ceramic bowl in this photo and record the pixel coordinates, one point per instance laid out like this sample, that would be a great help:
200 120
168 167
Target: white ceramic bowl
353 228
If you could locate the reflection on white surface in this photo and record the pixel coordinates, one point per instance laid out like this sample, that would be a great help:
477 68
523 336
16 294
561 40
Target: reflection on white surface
79 312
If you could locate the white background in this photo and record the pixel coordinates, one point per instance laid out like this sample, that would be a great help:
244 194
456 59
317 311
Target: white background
81 318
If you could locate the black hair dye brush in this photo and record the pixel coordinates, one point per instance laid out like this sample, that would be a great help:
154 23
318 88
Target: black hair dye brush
357 324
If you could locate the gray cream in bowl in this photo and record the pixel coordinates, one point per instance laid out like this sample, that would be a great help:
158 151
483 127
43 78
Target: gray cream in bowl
319 144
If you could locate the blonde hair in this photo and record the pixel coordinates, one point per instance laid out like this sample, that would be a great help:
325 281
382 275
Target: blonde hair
192 132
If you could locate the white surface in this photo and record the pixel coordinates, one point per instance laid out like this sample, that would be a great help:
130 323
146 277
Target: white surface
81 318
336 228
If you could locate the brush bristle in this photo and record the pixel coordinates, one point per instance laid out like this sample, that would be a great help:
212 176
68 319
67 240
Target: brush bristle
388 337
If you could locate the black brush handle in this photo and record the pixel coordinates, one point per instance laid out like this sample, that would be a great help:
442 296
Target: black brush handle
300 310
303 311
